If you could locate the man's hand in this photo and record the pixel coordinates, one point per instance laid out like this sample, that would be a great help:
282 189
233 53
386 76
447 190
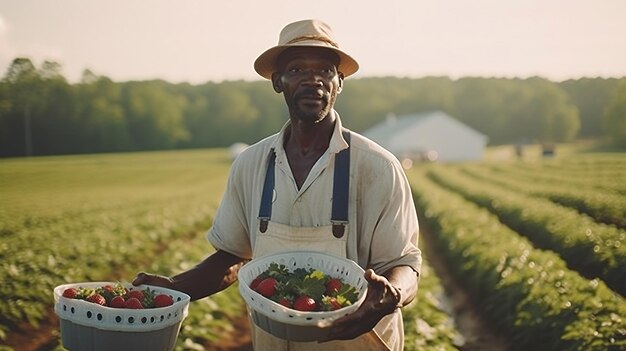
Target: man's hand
215 273
153 279
381 299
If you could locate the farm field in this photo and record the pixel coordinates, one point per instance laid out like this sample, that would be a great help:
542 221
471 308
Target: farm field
105 217
538 246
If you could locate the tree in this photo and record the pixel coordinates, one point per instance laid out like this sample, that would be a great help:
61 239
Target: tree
24 87
591 96
615 115
21 69
51 70
553 117
492 107
155 116
233 114
101 115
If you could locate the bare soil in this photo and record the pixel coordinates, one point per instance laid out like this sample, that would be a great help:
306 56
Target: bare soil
476 332
238 341
29 338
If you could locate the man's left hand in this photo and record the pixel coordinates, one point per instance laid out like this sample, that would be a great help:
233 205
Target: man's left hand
381 299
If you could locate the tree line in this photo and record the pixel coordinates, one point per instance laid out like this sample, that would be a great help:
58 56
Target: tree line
41 113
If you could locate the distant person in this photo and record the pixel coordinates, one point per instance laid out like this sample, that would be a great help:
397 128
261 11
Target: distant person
519 150
380 232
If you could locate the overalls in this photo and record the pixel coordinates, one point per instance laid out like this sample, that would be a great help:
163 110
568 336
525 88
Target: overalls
274 237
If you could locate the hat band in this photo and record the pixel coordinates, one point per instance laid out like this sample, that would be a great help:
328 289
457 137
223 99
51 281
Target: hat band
313 37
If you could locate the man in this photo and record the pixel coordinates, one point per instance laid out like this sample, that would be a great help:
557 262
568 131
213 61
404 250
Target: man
368 217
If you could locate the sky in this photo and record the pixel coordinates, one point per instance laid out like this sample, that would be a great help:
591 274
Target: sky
196 41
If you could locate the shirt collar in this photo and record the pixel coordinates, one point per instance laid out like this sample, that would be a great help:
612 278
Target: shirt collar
337 142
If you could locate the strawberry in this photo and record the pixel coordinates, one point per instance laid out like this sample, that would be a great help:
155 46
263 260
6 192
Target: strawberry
162 300
133 303
285 302
332 286
138 294
304 303
97 298
117 302
71 293
267 287
255 282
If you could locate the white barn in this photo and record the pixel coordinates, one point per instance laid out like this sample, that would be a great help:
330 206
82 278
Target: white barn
429 136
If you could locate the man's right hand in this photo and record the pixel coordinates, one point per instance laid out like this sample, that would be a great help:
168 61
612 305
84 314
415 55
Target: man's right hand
215 273
153 279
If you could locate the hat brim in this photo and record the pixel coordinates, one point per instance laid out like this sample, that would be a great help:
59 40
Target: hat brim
265 64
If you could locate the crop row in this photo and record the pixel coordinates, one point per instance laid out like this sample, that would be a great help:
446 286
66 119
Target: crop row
600 179
594 249
611 164
528 294
604 207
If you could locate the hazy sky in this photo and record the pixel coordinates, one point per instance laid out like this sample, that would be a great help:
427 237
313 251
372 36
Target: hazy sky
200 40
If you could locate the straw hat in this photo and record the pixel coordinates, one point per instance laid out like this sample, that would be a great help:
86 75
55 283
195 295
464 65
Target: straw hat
313 33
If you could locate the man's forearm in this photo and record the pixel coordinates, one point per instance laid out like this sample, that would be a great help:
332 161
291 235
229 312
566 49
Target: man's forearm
405 279
215 273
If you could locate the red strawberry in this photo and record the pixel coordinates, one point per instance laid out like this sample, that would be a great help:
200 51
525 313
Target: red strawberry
71 293
117 302
138 294
133 303
162 300
267 287
255 283
97 298
285 302
304 303
333 286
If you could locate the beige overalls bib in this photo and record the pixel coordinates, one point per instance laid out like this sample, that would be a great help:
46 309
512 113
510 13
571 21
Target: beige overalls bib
274 237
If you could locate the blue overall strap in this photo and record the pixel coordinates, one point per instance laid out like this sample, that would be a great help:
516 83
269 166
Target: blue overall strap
341 187
265 212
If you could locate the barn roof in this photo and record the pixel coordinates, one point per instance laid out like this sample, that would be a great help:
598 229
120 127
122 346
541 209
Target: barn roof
429 132
394 126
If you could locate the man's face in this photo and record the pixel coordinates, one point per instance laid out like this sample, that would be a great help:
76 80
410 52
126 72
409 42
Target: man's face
309 81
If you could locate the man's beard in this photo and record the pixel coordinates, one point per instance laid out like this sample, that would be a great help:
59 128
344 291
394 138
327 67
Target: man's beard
312 115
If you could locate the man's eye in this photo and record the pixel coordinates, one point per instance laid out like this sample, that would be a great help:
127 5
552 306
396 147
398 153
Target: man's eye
295 69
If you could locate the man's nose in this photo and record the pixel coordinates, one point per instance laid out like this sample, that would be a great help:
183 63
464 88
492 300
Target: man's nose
313 77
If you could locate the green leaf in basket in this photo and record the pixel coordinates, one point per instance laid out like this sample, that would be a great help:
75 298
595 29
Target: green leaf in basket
312 285
347 292
276 271
300 273
148 297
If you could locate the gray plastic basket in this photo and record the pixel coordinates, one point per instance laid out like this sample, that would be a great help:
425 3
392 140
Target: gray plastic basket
86 326
78 337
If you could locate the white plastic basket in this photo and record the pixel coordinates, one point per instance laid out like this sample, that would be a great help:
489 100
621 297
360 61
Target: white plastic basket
89 326
289 324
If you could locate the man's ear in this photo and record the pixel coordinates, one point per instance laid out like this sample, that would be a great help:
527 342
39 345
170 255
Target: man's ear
340 88
276 83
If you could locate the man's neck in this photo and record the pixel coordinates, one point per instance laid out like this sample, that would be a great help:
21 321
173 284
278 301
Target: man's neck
305 138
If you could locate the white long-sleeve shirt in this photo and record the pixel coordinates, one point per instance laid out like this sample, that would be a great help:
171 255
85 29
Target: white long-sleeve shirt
383 228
